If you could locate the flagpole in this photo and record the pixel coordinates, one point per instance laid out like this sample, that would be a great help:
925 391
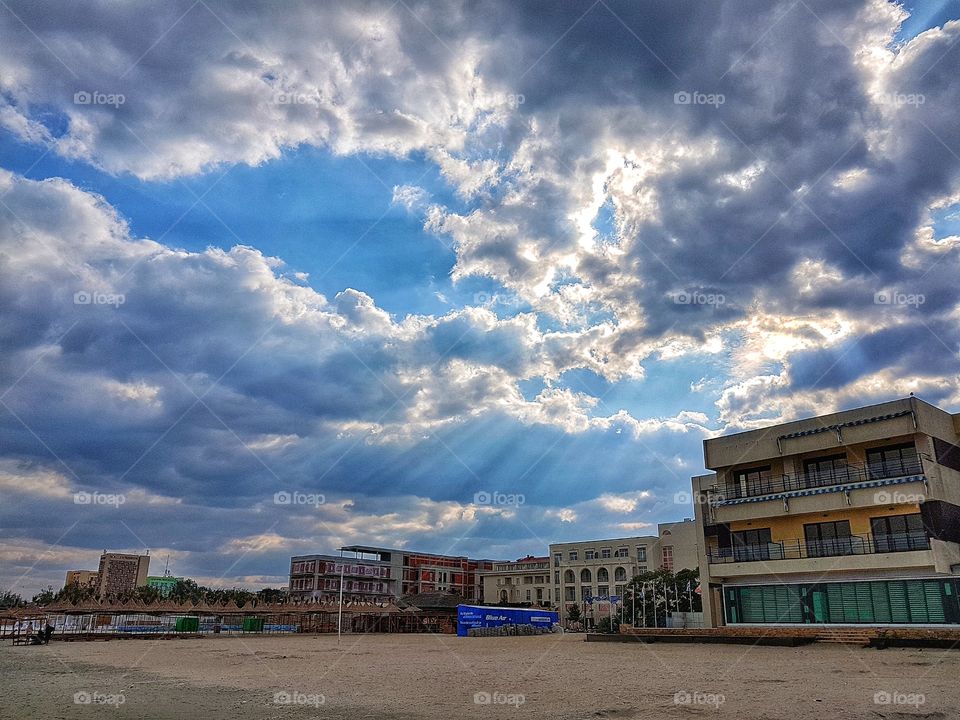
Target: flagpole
340 609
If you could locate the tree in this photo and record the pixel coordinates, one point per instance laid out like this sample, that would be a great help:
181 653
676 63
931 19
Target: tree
10 599
573 614
650 596
44 597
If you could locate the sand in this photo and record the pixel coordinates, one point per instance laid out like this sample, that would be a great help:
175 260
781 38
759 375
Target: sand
420 676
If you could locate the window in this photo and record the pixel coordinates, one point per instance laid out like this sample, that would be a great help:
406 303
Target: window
570 594
642 569
585 575
556 577
668 557
603 576
899 532
824 471
641 553
603 590
539 593
585 592
528 595
829 539
621 552
573 555
751 545
568 577
528 579
893 461
590 555
620 575
605 553
750 482
557 558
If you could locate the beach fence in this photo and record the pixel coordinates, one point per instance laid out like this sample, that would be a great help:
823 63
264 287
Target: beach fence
91 620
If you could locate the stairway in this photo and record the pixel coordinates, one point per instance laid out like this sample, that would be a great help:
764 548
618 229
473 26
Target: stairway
846 636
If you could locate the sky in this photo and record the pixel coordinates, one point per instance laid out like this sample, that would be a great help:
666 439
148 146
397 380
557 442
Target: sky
465 278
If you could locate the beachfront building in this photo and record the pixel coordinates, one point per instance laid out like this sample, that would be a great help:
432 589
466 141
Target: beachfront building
526 582
374 574
848 518
163 583
121 573
82 578
585 570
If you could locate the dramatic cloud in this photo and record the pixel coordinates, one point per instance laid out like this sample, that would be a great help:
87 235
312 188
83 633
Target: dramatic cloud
694 217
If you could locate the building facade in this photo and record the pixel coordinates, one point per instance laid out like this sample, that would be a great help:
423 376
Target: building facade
848 518
526 582
163 583
82 578
375 574
121 572
592 569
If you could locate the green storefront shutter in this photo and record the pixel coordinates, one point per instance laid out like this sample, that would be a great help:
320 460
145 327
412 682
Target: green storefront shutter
865 603
899 606
918 602
881 601
751 604
934 596
851 612
834 602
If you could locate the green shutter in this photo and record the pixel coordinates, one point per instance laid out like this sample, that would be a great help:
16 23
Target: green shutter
881 601
918 602
934 597
899 606
834 603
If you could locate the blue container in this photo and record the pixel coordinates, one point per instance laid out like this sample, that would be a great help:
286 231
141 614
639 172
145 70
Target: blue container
476 616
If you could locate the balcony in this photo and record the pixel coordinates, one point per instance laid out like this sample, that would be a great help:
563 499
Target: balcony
797 549
771 484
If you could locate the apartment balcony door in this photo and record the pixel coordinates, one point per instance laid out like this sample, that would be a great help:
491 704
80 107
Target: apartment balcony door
829 539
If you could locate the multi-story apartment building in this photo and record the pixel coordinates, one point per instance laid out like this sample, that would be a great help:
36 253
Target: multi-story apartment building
82 578
600 568
317 577
121 572
527 581
375 573
852 517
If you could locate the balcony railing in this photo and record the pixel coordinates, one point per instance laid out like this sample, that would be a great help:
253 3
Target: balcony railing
798 549
771 484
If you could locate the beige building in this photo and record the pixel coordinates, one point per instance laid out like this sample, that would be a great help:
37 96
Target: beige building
524 582
122 572
600 568
848 518
82 578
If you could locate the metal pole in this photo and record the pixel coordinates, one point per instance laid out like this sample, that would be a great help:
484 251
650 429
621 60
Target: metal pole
340 609
655 603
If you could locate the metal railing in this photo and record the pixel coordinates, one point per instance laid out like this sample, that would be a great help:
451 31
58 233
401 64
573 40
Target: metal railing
798 549
771 484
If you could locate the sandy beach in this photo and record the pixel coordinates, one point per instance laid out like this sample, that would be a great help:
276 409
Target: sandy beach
418 676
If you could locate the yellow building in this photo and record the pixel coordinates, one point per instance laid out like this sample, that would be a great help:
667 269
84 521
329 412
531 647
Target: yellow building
849 518
524 582
82 578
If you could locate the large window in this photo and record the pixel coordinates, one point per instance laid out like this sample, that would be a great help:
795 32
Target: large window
620 575
568 577
589 554
824 471
603 576
621 552
585 592
751 545
893 461
751 482
828 539
924 601
605 553
641 553
897 533
573 555
585 575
